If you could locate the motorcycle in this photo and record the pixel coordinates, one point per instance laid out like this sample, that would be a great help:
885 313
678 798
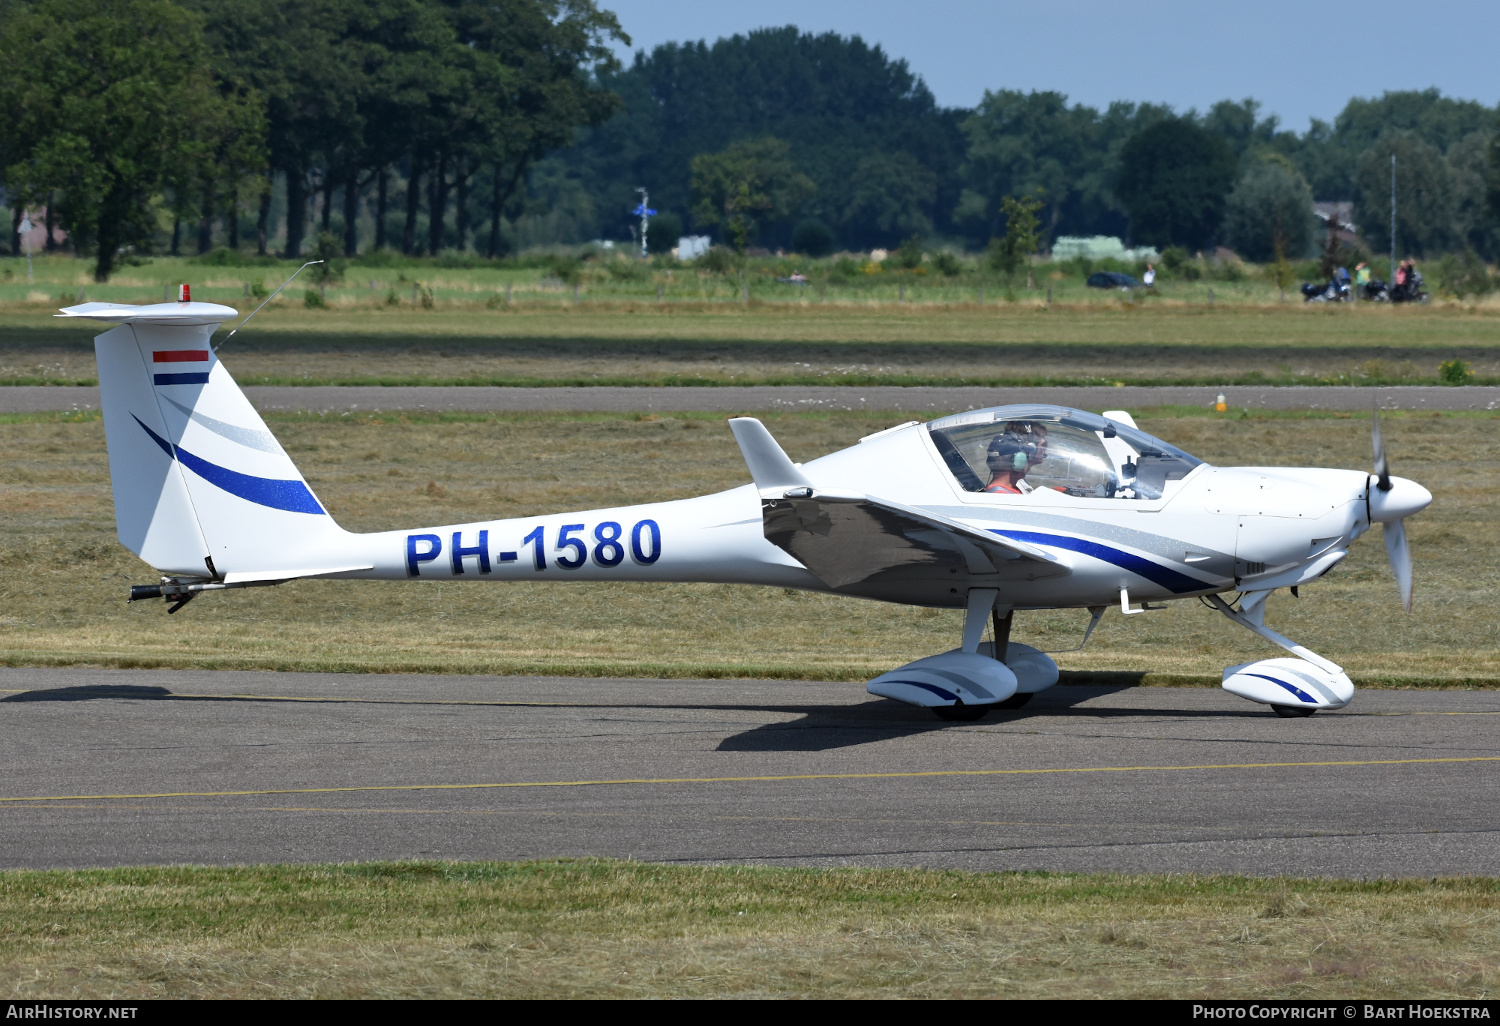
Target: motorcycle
1335 290
1409 291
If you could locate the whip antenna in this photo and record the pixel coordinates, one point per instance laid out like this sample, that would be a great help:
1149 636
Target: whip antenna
272 296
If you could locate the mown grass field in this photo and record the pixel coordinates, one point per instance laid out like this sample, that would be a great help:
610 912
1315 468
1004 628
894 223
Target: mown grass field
619 337
598 928
63 577
391 280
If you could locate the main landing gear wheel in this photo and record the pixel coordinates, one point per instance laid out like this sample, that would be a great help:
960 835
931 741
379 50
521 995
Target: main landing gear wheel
960 712
1015 701
1293 712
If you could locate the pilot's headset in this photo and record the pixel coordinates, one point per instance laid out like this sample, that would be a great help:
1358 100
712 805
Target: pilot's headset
1013 449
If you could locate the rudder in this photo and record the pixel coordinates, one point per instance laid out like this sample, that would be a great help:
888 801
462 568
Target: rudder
201 486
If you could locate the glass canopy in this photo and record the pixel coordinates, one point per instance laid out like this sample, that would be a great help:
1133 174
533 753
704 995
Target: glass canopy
1016 450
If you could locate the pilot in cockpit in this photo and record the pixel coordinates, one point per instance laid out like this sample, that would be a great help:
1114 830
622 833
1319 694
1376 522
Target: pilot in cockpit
1020 446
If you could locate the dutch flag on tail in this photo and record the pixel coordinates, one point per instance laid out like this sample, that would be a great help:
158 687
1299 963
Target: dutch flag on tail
195 375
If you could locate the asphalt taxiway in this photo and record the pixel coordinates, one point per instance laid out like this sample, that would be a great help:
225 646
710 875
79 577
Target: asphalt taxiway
112 767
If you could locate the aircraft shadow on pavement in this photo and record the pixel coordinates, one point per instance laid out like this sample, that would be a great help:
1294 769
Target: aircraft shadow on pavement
879 714
825 728
89 692
820 727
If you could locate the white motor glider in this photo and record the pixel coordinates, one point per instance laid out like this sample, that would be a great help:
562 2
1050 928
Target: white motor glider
991 511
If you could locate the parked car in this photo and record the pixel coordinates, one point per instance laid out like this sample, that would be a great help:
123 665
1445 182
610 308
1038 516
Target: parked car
1112 280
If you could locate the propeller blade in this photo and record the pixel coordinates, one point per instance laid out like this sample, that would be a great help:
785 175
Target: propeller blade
1400 556
1382 470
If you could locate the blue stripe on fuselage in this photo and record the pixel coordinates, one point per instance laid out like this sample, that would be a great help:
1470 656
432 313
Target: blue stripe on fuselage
292 496
1138 565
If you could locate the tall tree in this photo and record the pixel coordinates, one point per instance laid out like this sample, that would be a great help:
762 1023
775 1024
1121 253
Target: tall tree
1468 170
1027 143
1492 178
1248 135
312 62
1174 179
1424 195
1008 253
532 79
888 199
437 88
1329 155
745 185
108 100
1269 214
835 100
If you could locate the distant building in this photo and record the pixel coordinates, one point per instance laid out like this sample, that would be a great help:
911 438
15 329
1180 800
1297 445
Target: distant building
691 247
36 239
1066 247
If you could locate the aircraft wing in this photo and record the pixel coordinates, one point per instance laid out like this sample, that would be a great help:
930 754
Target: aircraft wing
846 539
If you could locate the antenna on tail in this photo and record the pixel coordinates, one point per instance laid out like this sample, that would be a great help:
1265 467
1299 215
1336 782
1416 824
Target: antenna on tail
272 296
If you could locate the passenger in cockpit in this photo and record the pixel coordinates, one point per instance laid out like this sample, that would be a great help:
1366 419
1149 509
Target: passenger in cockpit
1020 446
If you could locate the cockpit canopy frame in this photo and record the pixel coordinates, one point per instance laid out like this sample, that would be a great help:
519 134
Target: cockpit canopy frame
1085 454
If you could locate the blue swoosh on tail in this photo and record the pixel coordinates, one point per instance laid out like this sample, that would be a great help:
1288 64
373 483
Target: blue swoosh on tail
292 496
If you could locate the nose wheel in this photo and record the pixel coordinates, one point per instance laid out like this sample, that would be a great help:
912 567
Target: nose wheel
1293 712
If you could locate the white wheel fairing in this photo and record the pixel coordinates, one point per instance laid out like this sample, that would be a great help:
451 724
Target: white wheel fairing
947 679
1290 682
1034 669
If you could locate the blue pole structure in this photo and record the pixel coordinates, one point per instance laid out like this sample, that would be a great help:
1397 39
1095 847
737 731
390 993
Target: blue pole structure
645 211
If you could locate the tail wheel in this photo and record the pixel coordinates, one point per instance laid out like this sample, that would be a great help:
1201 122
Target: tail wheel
960 712
1294 712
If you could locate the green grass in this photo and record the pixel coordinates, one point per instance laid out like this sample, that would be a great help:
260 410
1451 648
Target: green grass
63 577
619 278
388 279
601 928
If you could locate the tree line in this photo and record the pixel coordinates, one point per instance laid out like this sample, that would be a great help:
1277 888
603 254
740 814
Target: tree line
122 114
885 162
486 125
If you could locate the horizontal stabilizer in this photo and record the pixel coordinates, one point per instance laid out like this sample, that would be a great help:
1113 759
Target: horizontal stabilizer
155 313
770 467
252 577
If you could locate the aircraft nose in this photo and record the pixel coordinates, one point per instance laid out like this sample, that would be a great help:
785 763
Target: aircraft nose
1404 498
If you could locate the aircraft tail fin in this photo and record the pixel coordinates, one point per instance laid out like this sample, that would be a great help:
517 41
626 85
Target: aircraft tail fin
201 486
770 467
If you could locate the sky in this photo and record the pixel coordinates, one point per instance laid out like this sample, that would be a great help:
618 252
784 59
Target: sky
1301 60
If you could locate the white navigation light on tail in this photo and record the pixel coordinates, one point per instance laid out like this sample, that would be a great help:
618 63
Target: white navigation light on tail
993 511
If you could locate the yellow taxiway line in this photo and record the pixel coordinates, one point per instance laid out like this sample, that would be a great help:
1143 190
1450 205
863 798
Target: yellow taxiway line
648 781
